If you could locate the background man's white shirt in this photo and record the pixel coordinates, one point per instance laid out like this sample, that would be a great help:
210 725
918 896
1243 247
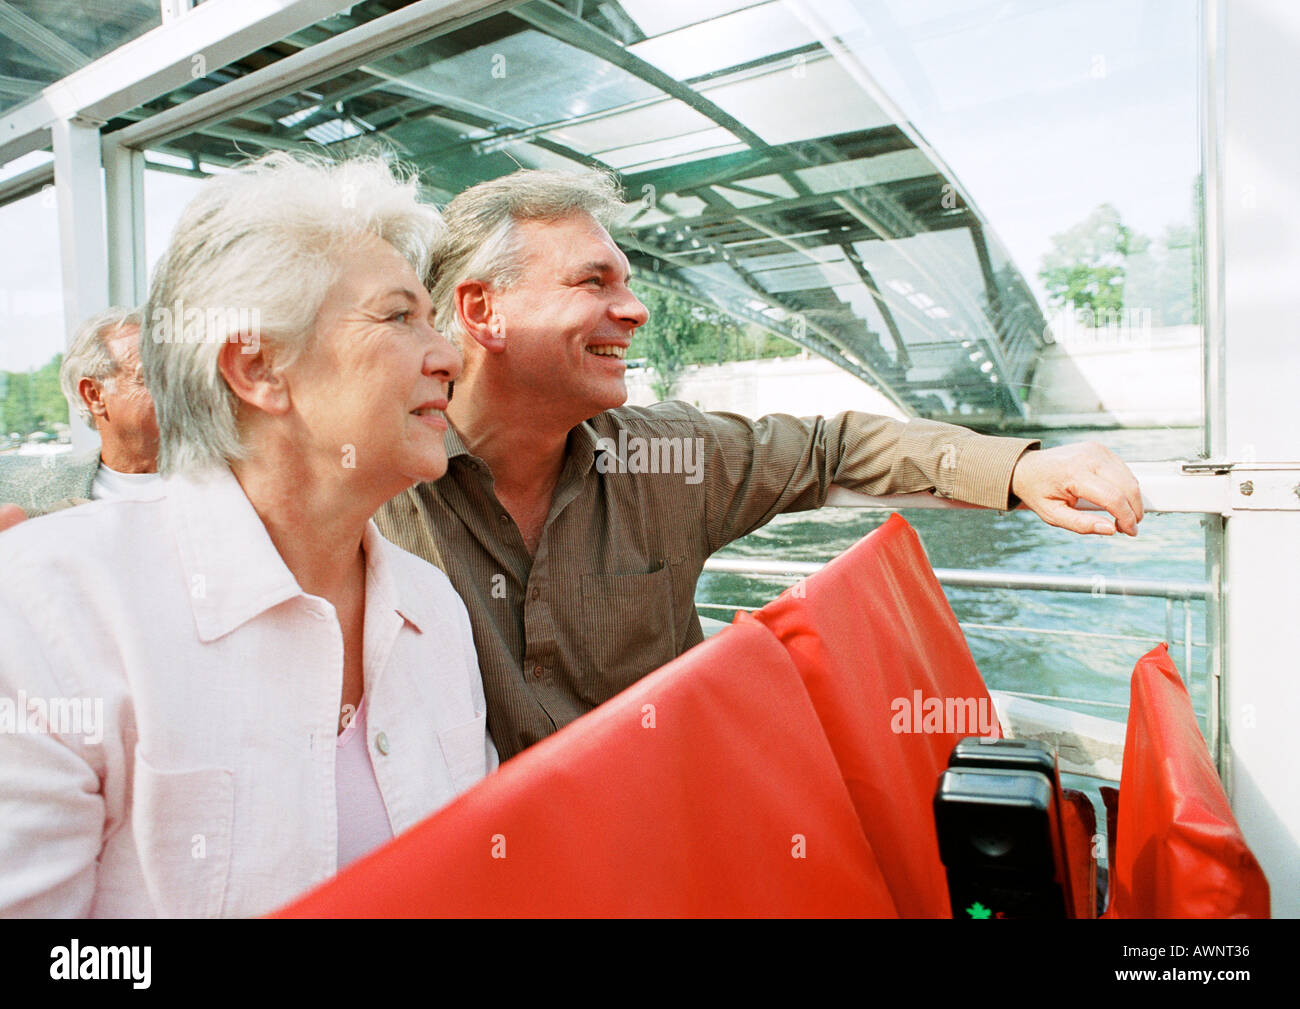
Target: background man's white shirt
111 485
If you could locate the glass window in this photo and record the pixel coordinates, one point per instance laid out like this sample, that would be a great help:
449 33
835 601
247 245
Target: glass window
44 40
169 184
986 215
33 412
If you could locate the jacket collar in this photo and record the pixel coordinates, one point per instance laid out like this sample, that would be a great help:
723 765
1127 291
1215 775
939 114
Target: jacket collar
233 571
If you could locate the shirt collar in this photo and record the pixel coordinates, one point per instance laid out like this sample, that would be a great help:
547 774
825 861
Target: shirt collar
451 441
580 450
233 571
582 446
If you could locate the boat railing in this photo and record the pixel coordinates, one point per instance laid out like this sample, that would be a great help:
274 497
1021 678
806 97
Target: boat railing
1173 591
1087 744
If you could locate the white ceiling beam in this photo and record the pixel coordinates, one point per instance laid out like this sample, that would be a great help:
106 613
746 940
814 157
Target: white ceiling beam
17 187
211 36
386 34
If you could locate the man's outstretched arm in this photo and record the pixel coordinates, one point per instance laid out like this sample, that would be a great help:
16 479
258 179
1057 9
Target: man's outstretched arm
759 468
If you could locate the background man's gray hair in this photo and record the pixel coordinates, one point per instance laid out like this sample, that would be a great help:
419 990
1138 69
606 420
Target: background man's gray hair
89 357
481 241
251 260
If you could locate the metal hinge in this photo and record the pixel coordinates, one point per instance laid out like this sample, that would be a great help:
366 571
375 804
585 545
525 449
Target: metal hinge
1211 467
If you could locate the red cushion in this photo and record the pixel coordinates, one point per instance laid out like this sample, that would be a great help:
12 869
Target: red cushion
872 634
1179 852
703 814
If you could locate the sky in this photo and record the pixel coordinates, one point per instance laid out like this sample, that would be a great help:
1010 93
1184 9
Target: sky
1043 109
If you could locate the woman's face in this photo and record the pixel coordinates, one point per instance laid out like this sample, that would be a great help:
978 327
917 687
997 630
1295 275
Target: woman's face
371 391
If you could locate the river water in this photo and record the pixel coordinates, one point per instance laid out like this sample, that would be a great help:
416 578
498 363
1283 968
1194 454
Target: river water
1020 658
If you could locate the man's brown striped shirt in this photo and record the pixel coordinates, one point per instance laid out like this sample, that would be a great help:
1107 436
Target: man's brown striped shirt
609 596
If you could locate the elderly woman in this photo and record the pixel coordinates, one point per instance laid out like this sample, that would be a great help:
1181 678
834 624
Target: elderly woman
213 700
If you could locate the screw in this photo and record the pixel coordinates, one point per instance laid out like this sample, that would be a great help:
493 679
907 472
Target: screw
1247 488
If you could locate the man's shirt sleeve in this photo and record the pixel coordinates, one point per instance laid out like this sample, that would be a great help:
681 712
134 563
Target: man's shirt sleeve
757 469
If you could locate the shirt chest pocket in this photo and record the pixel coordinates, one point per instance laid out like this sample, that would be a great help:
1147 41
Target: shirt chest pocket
628 629
181 822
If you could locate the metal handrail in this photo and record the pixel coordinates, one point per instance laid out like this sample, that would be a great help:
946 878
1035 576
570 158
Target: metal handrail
1094 585
1098 586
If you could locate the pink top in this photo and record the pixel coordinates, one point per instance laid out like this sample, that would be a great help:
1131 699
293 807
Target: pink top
363 819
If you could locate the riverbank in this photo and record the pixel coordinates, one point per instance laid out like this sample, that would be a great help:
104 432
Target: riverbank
1091 379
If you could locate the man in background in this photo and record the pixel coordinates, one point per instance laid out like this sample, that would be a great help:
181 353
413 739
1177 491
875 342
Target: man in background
102 381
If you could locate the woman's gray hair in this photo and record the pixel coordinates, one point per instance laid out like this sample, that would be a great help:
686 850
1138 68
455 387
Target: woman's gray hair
482 242
89 356
251 260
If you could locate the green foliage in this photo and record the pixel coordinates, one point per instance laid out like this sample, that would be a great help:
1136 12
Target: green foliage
664 339
1088 262
681 332
32 401
1105 267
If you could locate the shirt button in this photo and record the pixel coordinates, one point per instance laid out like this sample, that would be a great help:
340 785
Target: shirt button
537 671
381 743
504 518
536 593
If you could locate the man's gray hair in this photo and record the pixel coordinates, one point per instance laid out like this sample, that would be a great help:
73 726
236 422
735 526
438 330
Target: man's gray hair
250 261
482 242
89 356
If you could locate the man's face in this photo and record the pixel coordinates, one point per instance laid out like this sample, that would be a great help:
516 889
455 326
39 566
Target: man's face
569 318
127 405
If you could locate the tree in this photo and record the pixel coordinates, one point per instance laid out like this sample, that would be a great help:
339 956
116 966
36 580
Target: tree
32 401
682 332
662 341
1088 263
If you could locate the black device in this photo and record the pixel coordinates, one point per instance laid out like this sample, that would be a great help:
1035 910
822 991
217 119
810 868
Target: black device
997 814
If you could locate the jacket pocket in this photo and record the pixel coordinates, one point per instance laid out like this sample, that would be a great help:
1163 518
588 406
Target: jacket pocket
464 748
181 821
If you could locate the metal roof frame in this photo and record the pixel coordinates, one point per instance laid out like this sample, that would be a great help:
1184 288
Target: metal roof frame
209 36
863 213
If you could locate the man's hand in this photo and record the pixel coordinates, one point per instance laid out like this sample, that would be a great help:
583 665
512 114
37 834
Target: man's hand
10 515
1051 482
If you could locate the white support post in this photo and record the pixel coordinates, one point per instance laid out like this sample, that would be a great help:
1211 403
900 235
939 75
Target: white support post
1260 219
79 193
172 9
124 181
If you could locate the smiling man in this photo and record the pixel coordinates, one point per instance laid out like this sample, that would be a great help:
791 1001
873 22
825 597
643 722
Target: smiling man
563 522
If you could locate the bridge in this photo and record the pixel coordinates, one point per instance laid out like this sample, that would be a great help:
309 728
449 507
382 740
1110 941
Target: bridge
770 176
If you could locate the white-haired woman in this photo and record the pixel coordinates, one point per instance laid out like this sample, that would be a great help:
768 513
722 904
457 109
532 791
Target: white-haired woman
218 698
